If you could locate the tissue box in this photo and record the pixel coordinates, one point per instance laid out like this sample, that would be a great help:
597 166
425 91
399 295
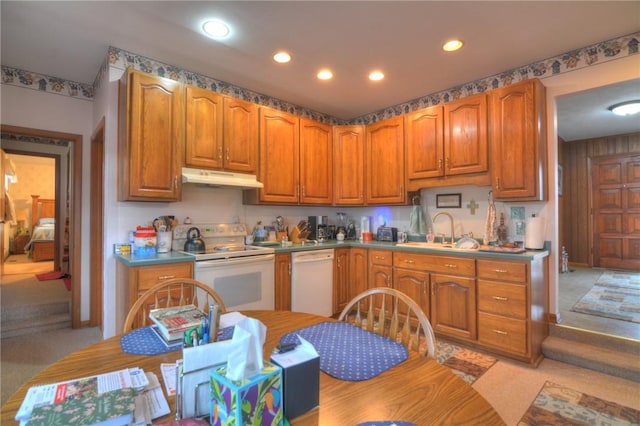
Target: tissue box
256 400
301 380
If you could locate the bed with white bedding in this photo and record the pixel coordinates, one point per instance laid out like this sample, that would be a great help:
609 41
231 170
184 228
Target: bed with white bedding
42 243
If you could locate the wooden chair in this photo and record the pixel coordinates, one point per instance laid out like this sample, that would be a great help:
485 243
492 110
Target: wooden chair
394 315
173 292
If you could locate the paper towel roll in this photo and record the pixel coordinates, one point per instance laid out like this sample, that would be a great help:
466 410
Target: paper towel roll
534 233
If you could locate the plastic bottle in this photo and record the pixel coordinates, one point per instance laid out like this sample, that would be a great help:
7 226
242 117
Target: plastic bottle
430 236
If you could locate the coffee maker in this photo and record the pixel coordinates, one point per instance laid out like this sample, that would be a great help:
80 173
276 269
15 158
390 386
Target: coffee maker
314 223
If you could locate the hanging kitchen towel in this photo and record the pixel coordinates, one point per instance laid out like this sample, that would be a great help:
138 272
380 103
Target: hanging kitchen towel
489 228
416 219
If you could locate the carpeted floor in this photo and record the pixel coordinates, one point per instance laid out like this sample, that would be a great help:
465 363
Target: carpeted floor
615 295
559 405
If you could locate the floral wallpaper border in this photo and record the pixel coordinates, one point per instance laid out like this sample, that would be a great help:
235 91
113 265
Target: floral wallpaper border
34 139
570 61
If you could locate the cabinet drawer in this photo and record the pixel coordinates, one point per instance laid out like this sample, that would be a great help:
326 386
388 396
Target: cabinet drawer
502 298
411 260
502 270
452 265
504 333
381 257
148 276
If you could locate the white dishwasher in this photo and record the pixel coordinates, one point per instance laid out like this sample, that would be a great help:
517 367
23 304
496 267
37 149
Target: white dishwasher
312 282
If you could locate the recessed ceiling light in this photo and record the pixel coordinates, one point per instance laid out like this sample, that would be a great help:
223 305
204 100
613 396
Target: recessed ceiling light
452 45
215 28
626 108
376 75
282 57
325 74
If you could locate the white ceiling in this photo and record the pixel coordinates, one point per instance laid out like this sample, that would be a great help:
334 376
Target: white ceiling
70 40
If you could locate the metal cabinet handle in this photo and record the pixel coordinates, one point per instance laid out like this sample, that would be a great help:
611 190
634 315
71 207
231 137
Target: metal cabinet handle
451 265
410 261
166 277
504 333
500 271
440 164
228 156
497 183
500 298
220 152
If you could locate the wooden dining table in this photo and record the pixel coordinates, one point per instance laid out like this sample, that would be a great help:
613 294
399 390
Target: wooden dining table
418 390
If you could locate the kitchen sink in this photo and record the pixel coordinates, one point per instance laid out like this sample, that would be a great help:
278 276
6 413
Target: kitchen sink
438 246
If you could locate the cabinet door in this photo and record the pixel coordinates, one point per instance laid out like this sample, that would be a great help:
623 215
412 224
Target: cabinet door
424 141
348 165
316 160
465 135
240 135
283 282
279 154
414 284
385 162
518 142
203 137
380 276
358 271
453 305
151 138
340 279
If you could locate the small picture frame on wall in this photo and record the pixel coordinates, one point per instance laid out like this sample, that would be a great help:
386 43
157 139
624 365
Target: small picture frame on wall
448 201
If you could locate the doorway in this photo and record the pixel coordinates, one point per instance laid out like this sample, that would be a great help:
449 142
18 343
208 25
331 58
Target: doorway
74 199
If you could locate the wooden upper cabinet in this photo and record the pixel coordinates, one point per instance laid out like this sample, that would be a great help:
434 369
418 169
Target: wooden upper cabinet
384 153
348 165
316 162
279 154
465 136
151 138
240 136
203 139
424 141
518 141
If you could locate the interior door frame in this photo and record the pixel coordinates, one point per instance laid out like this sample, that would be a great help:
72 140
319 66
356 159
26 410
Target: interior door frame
96 237
75 219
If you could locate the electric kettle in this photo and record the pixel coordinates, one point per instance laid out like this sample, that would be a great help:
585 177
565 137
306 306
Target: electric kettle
194 243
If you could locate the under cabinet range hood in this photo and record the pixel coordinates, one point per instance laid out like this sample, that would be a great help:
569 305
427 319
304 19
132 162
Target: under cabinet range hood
220 179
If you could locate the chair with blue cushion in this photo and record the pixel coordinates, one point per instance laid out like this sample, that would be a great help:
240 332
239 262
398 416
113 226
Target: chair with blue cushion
394 315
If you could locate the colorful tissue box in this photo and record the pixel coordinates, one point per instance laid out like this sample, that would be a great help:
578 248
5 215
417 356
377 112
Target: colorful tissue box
253 401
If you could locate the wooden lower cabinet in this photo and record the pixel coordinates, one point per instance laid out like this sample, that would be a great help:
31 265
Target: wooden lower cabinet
283 282
453 305
135 280
340 279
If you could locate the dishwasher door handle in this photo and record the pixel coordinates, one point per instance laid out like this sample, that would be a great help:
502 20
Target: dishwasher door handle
310 259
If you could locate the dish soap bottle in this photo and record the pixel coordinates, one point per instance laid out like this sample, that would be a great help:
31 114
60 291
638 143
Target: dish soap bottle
430 236
502 230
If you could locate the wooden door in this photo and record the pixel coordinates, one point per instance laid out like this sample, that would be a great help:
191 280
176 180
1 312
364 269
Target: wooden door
316 162
348 165
203 134
340 279
151 139
240 135
283 282
424 142
616 211
465 136
415 284
358 271
279 156
518 142
385 162
453 305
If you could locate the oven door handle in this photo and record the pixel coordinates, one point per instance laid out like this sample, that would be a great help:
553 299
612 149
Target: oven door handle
235 261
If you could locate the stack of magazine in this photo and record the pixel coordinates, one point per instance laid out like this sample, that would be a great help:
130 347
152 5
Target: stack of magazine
172 322
124 397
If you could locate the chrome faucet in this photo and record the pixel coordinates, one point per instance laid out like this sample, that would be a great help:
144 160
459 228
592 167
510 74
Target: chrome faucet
435 216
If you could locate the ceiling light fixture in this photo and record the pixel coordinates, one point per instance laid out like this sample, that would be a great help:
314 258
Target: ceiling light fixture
282 57
325 74
376 75
452 45
626 108
215 28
